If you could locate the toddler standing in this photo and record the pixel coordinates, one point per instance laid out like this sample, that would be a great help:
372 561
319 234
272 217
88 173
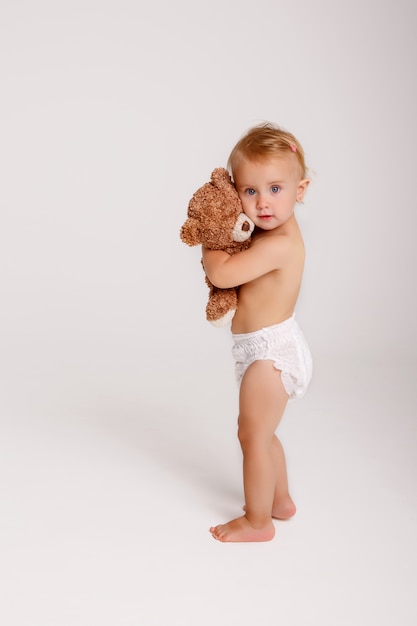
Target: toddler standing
273 362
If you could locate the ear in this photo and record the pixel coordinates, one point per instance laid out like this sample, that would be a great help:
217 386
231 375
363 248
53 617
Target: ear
190 232
220 178
302 188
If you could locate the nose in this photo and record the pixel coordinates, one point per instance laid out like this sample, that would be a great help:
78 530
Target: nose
262 202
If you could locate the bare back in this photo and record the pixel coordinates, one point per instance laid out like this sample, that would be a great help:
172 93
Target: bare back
271 298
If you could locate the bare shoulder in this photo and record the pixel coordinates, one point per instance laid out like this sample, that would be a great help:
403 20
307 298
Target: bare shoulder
281 245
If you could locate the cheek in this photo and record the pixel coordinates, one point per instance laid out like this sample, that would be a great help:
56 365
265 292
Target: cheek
246 202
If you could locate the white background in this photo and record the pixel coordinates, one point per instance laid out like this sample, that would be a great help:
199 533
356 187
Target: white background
115 391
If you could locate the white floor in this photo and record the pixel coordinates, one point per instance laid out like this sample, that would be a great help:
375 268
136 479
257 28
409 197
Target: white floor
109 487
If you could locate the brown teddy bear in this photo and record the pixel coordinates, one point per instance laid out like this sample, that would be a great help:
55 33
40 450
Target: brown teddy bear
216 220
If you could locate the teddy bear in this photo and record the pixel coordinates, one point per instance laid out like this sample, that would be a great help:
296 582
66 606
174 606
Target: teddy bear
216 221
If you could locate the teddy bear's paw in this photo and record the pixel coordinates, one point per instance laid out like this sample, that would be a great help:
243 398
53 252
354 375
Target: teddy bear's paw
223 321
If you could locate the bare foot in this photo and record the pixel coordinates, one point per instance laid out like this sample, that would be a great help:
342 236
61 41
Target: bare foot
282 510
239 529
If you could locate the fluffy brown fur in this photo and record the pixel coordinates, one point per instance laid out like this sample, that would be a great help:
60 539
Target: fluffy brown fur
216 221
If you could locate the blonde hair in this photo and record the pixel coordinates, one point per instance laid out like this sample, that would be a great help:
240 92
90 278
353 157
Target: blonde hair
267 141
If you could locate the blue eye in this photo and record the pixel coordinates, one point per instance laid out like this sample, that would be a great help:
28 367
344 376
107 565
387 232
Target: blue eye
275 189
250 192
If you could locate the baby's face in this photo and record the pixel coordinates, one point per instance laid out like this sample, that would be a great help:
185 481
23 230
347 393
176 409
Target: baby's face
269 189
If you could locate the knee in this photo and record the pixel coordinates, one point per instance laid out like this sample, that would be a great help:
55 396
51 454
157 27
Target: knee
251 437
248 437
243 436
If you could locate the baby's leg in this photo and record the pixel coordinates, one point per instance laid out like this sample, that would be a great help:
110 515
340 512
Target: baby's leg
283 506
262 403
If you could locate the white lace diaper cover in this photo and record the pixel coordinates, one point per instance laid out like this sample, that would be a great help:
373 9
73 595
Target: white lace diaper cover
285 345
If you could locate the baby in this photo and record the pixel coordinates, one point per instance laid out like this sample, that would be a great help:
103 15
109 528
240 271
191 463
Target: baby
273 362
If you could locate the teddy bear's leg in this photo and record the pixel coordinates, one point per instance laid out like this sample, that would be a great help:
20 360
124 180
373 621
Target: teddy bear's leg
223 321
221 305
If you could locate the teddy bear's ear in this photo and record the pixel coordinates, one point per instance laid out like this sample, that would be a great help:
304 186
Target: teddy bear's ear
221 178
190 232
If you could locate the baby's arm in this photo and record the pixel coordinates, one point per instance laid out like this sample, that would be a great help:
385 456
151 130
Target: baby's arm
264 256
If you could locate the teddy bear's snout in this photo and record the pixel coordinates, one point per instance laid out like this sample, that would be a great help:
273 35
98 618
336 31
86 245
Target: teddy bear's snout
243 228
